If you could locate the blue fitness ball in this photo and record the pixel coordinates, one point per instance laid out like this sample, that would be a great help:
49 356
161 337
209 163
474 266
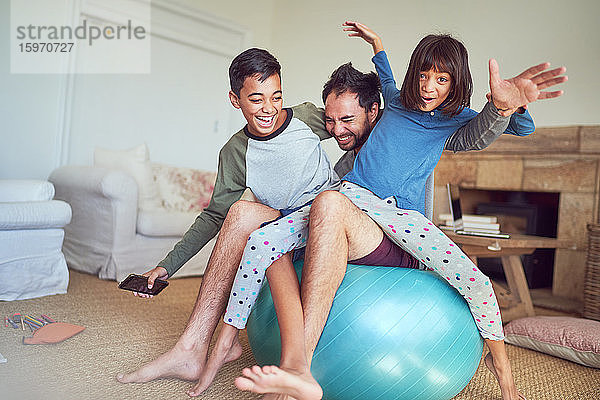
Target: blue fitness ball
392 333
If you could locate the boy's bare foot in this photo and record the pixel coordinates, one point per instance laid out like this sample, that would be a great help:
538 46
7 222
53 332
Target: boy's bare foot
176 363
272 379
227 349
503 375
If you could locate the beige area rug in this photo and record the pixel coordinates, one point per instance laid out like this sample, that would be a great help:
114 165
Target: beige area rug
124 332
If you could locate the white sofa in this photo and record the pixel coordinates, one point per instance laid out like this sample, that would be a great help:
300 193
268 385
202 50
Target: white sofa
112 234
31 237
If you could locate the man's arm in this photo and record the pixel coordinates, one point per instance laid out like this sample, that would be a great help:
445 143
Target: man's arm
486 127
229 187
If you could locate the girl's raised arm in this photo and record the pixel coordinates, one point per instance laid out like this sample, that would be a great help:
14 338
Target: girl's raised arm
356 29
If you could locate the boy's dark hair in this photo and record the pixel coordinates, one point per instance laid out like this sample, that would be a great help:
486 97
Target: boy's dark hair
252 62
346 78
443 53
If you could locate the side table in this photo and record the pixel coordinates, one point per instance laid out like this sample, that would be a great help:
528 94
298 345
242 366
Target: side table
514 300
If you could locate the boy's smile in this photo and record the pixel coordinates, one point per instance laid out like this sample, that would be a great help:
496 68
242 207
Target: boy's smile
261 104
434 88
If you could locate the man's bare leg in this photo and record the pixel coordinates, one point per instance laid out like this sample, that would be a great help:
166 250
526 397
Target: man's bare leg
186 360
293 376
321 275
338 231
332 240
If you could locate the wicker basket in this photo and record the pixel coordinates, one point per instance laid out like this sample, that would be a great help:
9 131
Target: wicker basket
591 291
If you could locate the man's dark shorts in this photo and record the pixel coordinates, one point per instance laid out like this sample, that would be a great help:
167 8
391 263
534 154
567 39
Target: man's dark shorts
388 254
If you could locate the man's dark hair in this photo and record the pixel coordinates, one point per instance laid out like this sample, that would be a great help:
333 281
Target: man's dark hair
443 53
252 62
346 78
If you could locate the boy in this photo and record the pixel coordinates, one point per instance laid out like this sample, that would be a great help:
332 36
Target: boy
277 155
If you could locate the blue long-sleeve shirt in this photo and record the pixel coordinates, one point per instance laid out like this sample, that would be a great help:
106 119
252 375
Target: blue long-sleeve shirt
406 145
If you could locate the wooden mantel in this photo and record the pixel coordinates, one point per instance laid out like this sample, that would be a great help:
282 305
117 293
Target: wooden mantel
565 160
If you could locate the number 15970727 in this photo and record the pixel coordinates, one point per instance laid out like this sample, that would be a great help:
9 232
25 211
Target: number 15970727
47 47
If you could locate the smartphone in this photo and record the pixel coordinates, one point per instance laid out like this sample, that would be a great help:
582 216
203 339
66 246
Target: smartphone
139 283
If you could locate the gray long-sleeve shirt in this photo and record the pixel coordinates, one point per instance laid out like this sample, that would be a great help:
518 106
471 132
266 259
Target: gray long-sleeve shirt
284 170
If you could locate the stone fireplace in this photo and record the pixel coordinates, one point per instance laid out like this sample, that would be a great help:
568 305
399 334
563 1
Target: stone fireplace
528 213
562 160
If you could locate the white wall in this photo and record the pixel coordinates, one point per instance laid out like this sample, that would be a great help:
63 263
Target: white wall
29 112
307 39
32 106
256 16
309 43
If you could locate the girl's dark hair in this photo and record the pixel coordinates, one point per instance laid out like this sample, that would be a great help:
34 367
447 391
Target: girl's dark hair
250 63
346 78
443 53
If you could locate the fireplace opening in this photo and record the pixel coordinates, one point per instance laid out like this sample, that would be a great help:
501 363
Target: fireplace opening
529 213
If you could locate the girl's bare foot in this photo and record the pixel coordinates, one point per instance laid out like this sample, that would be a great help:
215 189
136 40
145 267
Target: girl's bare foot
227 349
272 379
503 374
178 362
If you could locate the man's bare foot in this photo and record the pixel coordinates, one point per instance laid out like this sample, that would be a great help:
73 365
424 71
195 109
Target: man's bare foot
272 379
503 375
227 349
176 363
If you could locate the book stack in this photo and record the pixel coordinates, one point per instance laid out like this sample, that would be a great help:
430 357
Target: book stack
472 223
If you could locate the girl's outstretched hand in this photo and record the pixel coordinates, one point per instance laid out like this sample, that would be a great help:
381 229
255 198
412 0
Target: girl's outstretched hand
356 29
510 94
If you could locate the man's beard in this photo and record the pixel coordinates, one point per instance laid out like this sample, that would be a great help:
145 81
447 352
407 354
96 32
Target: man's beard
360 138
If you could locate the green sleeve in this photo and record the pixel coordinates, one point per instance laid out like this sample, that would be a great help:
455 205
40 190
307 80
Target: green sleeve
229 187
313 117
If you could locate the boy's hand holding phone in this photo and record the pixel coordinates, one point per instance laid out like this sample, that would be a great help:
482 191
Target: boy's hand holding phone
156 273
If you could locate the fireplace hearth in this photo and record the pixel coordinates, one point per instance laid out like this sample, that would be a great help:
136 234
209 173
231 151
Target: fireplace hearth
529 213
562 163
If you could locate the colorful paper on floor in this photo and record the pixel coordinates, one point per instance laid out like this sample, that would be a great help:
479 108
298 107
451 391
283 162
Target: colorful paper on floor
53 333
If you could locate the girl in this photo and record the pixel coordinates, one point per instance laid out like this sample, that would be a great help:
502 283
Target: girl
408 140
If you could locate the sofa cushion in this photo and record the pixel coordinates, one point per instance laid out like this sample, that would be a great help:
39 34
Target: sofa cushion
184 189
160 222
12 190
574 339
135 162
31 264
34 215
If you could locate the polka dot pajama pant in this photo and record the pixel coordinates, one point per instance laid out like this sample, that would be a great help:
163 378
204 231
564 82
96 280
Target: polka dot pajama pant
265 245
417 235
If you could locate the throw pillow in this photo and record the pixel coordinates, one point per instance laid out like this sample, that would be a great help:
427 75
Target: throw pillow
574 339
184 189
135 162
